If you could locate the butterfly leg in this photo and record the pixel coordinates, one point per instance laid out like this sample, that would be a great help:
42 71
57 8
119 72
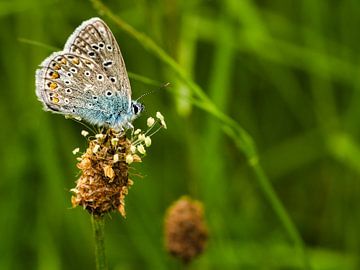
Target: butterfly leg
130 126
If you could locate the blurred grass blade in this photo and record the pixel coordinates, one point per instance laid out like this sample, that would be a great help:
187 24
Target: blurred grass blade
39 44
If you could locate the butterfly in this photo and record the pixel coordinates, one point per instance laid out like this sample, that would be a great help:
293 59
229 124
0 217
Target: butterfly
88 79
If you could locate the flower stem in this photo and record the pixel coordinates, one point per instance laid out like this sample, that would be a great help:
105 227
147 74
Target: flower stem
98 229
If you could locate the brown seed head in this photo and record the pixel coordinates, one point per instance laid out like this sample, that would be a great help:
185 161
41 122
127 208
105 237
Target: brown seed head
104 180
185 231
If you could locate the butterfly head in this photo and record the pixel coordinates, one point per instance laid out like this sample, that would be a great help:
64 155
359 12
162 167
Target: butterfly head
136 108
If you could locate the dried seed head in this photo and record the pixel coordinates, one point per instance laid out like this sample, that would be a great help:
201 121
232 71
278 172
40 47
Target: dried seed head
104 181
185 231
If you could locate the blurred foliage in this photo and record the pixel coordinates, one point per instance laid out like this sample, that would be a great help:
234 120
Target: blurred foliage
285 71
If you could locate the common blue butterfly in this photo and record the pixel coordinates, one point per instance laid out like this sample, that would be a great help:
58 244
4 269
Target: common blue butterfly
88 79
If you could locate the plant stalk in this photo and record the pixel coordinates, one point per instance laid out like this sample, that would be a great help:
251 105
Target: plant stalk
98 229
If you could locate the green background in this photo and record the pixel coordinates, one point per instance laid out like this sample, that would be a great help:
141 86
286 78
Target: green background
285 71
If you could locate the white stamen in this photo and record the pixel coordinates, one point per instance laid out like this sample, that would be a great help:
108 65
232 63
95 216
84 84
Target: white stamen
99 136
147 141
76 150
133 148
162 119
141 137
150 121
84 133
141 149
96 148
160 116
137 131
114 141
162 122
129 159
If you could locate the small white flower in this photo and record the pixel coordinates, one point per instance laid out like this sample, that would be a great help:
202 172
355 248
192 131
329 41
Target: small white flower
84 133
96 148
116 158
147 141
129 159
133 148
76 150
114 141
141 137
137 131
150 121
141 149
160 116
99 136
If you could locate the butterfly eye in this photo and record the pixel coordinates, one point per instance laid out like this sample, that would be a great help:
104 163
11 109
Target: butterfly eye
87 73
113 79
137 108
109 93
101 45
109 48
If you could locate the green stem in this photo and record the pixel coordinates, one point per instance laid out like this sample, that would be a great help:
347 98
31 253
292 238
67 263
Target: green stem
98 229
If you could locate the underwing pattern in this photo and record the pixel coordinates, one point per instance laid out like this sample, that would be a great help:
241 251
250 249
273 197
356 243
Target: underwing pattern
88 79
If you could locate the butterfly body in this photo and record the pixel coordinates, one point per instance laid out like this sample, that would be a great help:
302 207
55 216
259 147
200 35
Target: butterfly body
88 79
111 111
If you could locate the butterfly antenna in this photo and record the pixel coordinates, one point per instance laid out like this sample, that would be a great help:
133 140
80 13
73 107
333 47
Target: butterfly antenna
150 92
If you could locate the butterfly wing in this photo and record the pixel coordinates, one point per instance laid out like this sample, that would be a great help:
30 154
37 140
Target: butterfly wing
93 39
68 84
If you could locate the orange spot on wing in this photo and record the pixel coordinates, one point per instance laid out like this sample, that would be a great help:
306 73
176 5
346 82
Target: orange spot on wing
76 61
55 100
52 85
55 75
